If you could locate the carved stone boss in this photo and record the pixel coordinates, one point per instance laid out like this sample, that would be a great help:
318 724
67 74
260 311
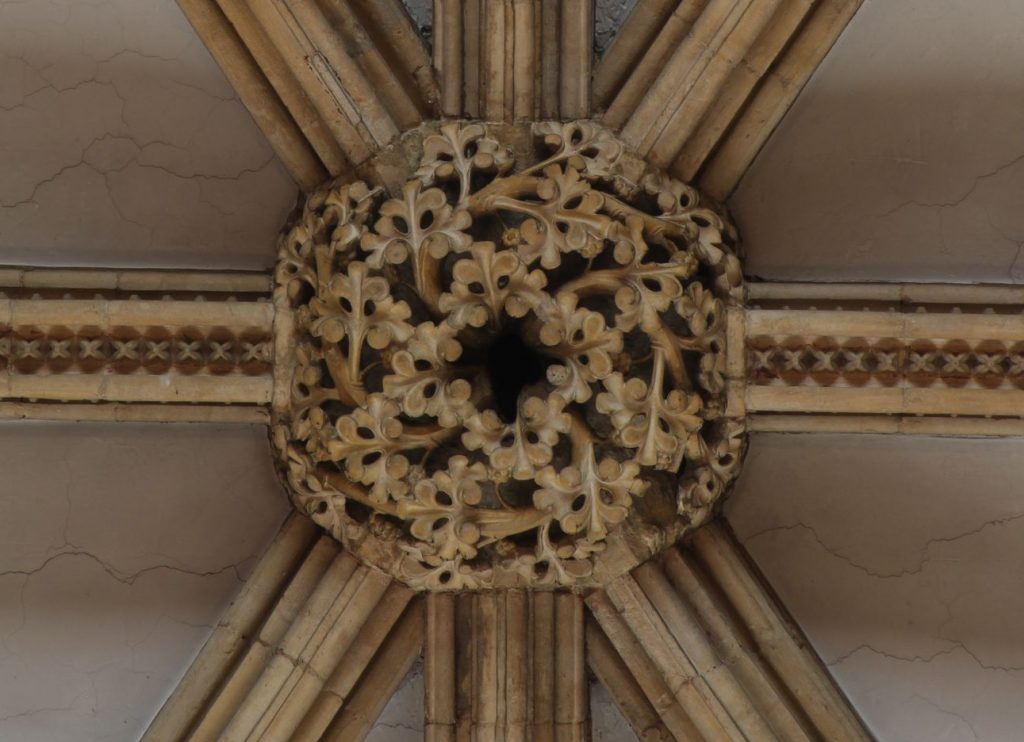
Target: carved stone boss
509 370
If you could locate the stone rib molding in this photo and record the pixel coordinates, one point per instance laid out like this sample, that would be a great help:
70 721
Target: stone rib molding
235 631
193 340
26 281
614 674
777 638
311 649
134 413
514 60
505 665
696 87
699 86
956 427
937 351
904 297
696 70
280 122
928 359
691 646
778 88
380 681
329 82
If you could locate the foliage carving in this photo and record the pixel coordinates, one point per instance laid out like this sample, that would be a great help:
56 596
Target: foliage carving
612 281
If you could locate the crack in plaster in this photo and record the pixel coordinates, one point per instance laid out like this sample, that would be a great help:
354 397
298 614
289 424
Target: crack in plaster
106 172
955 645
397 725
947 712
956 202
125 578
42 710
799 525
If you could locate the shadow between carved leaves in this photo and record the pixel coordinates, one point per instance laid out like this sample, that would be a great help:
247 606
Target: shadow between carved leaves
510 371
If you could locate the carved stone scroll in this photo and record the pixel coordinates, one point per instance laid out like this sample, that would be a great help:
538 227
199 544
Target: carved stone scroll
510 370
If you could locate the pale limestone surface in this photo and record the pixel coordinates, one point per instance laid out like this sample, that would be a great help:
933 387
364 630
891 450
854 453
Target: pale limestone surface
903 561
120 547
402 718
608 17
902 158
122 144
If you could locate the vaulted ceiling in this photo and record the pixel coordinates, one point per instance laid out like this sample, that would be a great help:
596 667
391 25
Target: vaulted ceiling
124 146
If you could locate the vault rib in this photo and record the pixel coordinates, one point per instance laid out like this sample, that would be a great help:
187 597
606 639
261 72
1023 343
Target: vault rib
777 639
650 32
280 123
693 76
244 674
722 171
693 646
514 60
505 664
675 713
287 87
623 608
198 344
613 673
698 87
897 358
305 652
344 682
448 54
325 52
381 679
327 80
317 78
239 624
737 88
577 53
375 43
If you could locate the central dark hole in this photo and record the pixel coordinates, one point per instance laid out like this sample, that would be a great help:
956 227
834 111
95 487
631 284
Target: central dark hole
512 365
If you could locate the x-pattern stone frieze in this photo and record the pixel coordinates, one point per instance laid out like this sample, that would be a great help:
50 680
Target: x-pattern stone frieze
988 364
510 371
207 349
950 351
128 350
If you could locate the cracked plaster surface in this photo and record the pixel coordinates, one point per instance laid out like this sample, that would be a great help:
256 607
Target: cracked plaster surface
902 158
903 561
120 547
122 144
